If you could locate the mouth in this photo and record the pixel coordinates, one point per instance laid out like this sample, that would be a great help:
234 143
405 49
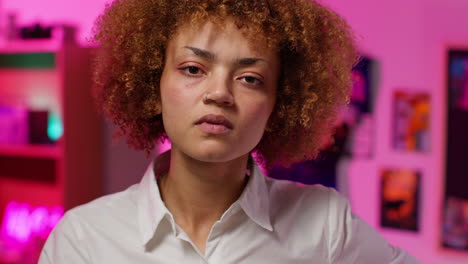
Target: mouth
214 124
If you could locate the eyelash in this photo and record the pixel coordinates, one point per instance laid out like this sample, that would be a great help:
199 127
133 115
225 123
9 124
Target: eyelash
186 69
256 80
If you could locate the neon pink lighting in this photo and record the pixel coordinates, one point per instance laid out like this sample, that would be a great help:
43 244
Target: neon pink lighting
23 222
163 146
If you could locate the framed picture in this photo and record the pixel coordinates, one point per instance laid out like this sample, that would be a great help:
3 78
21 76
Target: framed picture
455 225
400 190
455 210
458 79
358 116
411 126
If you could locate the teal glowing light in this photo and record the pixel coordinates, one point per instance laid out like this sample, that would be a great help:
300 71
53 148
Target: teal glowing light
54 126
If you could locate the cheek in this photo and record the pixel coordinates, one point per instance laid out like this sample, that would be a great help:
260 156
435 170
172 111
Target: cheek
173 96
258 115
169 94
171 102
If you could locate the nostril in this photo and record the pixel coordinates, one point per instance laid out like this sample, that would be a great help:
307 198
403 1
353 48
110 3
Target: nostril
223 99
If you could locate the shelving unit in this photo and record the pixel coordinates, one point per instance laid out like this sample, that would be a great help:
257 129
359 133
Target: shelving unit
31 151
52 75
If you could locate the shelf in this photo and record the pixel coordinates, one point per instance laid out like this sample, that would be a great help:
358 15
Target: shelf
31 151
51 75
35 193
59 36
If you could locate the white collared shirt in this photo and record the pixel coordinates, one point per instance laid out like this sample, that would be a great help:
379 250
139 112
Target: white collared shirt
273 221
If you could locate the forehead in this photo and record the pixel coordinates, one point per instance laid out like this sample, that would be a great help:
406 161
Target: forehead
211 32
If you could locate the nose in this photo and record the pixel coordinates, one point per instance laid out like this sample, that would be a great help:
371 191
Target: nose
219 92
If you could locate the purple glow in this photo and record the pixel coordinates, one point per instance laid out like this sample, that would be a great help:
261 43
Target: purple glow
38 220
22 221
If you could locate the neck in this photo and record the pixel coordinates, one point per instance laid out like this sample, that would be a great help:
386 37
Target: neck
198 193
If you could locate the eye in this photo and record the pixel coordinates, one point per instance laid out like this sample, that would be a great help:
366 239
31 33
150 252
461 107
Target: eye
251 80
191 70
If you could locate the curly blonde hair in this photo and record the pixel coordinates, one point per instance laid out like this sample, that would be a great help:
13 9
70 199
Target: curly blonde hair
315 45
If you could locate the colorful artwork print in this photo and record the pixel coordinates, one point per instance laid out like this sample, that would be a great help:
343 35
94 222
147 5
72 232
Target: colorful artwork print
400 199
455 224
411 131
458 80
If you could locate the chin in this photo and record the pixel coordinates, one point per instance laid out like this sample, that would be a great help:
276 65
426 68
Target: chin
210 155
215 153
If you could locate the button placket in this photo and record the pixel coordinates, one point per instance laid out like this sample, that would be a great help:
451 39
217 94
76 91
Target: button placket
217 231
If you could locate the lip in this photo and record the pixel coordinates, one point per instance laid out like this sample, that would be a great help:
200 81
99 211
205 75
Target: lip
214 124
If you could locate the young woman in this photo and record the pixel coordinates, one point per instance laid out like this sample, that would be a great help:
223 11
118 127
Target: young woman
222 79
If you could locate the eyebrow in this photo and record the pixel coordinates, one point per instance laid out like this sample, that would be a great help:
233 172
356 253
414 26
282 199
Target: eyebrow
211 56
202 53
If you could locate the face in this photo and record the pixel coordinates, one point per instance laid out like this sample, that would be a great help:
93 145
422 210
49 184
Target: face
218 90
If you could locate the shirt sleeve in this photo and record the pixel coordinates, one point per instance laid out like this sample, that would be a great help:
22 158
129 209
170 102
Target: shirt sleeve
351 240
64 244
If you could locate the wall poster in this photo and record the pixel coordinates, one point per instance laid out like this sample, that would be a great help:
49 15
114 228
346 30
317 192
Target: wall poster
400 189
411 126
455 210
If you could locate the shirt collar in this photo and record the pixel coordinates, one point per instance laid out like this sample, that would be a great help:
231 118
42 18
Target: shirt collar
254 200
151 209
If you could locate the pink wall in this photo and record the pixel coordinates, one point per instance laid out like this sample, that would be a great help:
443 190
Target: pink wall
408 38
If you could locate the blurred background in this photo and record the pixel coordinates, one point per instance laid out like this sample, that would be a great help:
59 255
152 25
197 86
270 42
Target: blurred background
400 152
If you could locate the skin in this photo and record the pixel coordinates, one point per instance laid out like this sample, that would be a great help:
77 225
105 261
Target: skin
212 70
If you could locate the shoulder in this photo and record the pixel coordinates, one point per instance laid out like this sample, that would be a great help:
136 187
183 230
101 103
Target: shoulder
309 213
83 226
117 210
109 205
313 209
315 198
323 214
